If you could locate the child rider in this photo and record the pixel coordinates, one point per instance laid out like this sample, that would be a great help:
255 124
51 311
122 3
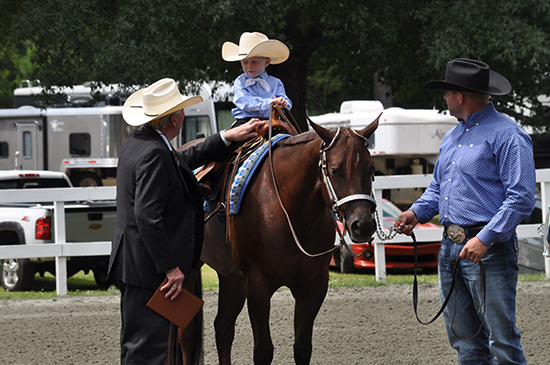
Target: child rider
255 90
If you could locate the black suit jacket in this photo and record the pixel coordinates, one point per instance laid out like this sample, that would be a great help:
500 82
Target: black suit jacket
159 223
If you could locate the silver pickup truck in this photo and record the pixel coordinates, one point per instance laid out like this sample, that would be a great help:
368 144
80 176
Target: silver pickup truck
32 223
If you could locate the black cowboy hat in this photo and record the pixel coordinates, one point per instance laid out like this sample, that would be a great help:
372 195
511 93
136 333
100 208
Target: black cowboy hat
470 75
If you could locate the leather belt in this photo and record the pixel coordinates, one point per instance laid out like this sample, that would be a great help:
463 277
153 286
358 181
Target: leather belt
458 234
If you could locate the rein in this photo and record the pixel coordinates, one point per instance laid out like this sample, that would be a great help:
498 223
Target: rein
294 235
335 202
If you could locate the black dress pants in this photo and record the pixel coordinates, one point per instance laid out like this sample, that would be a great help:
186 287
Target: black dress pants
144 333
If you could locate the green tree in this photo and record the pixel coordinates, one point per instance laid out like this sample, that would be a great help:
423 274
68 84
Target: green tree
14 54
135 42
512 36
339 49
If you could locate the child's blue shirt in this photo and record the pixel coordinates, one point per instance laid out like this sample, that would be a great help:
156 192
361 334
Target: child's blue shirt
252 100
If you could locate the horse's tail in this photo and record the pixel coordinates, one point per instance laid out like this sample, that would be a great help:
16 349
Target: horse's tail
173 352
198 353
174 355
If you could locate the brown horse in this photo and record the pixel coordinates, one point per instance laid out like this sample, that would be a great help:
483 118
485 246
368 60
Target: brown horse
317 174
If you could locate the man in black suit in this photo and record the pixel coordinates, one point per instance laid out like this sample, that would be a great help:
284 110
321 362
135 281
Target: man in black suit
159 225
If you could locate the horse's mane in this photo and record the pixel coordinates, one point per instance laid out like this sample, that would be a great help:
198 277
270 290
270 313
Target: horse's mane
301 138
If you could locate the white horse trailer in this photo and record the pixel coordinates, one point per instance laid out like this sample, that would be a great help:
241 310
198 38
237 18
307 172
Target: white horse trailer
83 142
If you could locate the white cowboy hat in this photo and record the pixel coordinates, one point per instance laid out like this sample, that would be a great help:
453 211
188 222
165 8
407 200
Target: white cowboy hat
255 45
155 101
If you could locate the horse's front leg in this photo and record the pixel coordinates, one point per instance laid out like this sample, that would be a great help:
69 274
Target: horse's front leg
232 295
259 304
309 299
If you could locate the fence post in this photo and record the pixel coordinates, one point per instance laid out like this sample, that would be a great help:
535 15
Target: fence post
545 209
60 238
379 250
545 233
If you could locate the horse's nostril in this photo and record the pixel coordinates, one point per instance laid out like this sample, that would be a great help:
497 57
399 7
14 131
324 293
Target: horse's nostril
361 228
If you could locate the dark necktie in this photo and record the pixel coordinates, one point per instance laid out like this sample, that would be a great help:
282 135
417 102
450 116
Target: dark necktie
175 157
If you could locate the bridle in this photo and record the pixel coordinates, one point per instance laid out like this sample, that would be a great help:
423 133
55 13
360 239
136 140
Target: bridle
336 203
323 163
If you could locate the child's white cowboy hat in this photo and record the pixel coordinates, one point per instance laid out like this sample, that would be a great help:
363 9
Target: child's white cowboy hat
155 101
255 45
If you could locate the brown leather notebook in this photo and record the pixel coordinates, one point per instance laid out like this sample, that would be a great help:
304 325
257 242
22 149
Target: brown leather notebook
180 311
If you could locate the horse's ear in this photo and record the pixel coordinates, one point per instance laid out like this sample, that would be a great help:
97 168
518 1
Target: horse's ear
324 133
369 130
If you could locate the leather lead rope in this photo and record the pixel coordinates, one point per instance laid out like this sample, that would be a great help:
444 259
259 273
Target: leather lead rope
482 289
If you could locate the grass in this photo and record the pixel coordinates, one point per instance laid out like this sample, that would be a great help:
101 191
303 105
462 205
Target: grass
84 284
44 287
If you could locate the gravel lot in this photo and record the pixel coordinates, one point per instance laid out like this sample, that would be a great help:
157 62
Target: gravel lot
355 326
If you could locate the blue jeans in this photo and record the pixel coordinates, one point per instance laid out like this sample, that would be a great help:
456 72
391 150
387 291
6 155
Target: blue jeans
499 340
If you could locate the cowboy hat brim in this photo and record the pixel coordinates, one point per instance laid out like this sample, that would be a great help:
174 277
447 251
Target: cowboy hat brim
498 85
134 114
272 48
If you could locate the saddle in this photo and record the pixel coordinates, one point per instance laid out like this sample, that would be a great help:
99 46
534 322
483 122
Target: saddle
214 177
215 180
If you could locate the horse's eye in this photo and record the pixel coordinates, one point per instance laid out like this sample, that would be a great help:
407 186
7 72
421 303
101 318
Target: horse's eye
334 171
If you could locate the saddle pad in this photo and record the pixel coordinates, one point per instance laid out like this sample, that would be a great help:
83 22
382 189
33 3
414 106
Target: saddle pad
245 173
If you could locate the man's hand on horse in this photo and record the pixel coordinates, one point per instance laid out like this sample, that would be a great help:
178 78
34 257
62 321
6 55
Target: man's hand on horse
406 222
245 131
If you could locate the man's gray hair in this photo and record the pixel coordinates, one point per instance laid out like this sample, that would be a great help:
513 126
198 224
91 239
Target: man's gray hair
162 122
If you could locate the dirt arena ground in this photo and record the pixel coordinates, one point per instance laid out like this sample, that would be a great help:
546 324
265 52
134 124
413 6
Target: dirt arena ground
355 326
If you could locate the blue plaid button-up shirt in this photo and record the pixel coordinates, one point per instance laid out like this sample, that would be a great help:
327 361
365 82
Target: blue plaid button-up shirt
485 173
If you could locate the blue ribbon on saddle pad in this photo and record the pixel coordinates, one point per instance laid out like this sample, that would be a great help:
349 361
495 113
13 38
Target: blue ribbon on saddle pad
245 173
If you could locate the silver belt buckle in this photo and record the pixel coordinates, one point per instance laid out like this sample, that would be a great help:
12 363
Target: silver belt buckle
456 233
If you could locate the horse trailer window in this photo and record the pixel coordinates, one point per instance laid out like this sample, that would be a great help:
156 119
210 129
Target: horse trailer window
27 145
225 119
371 141
4 150
80 144
195 126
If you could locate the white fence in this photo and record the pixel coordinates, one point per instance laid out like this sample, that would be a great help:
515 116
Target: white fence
62 249
431 235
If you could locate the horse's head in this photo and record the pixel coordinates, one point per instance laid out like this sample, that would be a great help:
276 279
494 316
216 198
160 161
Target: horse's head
347 171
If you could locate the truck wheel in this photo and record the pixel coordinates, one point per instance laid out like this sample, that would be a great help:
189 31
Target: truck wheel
346 261
17 274
100 276
86 179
